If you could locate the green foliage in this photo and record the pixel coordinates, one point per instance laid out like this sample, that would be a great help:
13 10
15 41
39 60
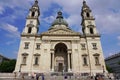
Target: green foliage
7 66
119 62
109 69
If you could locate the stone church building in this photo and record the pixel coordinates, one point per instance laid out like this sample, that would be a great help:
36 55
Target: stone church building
60 49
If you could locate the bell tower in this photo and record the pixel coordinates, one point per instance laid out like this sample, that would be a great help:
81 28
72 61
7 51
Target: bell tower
88 21
32 20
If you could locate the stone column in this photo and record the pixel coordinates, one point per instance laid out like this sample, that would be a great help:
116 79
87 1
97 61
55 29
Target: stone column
52 61
69 62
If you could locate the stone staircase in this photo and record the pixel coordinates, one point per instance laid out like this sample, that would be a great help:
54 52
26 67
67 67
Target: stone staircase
2 75
11 76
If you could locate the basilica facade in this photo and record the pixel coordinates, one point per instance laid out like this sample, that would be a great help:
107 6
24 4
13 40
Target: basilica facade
60 49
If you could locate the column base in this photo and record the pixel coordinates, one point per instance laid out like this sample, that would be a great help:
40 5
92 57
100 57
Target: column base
52 70
69 70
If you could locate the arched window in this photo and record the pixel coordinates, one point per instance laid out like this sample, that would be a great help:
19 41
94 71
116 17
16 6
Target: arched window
33 14
36 60
91 31
85 60
87 14
29 29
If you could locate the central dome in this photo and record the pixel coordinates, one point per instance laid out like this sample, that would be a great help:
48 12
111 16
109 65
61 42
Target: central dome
59 20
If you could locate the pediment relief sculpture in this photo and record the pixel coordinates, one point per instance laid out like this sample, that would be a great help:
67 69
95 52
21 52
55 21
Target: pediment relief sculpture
61 31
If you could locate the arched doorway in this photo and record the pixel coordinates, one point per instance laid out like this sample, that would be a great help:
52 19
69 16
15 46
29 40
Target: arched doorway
61 60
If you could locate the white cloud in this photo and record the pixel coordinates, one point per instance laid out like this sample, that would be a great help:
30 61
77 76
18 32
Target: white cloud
74 22
24 4
11 42
106 14
1 10
108 23
118 37
49 19
12 31
118 40
110 54
17 9
70 7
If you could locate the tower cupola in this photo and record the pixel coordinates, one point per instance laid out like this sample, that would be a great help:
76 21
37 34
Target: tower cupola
88 21
34 10
32 20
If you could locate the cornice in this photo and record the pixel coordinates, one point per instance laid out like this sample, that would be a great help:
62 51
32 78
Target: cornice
92 35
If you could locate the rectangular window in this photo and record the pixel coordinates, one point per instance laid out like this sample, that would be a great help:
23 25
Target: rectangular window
97 60
85 61
36 60
83 46
24 60
37 46
26 45
94 45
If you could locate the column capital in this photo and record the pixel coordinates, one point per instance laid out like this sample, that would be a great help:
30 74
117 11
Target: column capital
52 53
52 49
69 49
69 52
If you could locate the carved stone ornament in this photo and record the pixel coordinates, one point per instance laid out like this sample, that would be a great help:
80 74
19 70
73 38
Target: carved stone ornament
30 25
24 54
36 54
96 54
60 32
84 54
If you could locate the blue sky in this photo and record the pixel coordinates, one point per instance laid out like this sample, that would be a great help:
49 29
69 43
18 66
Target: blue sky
13 16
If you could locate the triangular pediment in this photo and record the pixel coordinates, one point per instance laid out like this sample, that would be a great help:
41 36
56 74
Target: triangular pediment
60 32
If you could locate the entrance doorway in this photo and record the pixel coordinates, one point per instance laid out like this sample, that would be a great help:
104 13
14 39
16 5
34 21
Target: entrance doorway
60 67
61 60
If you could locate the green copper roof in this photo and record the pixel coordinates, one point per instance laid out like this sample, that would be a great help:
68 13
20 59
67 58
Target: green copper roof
59 20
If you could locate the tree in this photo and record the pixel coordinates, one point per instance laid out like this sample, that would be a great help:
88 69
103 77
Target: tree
119 62
7 66
109 69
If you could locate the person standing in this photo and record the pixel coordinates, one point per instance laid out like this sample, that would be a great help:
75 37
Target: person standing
43 77
96 77
65 77
37 76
